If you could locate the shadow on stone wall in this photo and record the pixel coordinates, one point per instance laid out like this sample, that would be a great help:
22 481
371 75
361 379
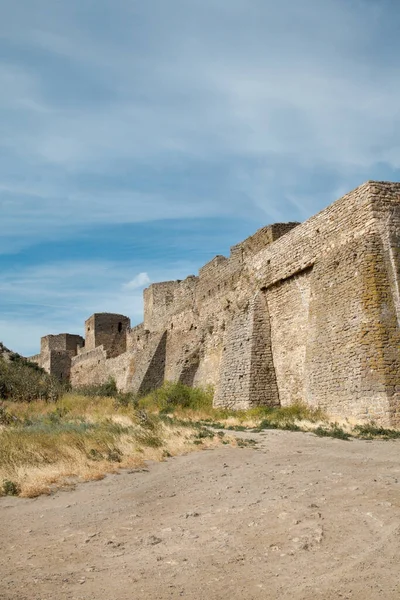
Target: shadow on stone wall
154 376
189 370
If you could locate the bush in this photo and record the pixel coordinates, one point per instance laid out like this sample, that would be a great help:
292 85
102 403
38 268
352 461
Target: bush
125 399
108 389
23 381
177 395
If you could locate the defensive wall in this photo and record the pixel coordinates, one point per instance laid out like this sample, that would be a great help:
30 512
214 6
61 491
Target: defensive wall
298 312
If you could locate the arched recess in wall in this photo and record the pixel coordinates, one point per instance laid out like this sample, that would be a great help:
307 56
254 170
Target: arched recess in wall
154 376
189 369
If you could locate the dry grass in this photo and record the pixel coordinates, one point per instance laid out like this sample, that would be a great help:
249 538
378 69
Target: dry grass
44 445
195 405
47 445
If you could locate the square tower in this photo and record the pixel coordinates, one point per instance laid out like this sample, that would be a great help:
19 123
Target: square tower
107 330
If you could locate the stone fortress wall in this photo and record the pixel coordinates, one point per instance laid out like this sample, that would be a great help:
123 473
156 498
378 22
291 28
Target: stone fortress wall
298 312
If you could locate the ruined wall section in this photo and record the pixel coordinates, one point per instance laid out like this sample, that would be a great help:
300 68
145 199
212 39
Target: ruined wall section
56 352
62 342
261 239
94 368
137 369
35 358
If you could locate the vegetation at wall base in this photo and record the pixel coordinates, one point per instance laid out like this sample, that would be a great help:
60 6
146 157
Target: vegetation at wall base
372 431
43 444
84 436
334 430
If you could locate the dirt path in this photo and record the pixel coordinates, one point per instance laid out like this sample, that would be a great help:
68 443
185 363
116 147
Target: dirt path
297 517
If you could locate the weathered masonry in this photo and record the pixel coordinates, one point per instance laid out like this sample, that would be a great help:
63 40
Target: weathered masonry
307 312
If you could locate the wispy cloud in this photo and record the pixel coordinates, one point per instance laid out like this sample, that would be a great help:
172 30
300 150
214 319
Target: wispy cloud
138 282
118 113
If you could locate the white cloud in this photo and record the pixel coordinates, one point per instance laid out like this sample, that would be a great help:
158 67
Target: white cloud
139 281
182 86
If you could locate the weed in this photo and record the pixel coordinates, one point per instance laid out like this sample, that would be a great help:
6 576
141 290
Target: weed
10 488
94 454
151 439
334 431
266 424
290 426
371 430
114 455
204 433
244 443
6 418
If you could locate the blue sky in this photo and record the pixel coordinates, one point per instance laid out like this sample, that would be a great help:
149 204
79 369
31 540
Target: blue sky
139 139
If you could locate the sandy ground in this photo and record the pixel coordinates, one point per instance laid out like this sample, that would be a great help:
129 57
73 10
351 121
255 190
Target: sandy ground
297 517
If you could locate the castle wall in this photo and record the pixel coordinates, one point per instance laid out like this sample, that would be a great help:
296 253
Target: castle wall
59 365
288 306
352 314
247 372
36 358
56 352
298 312
234 381
94 368
264 388
62 342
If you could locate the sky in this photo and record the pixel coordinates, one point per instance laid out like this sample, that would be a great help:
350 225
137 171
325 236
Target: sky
140 139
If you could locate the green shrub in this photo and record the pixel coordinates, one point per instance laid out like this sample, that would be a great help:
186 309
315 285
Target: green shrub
177 395
108 389
22 381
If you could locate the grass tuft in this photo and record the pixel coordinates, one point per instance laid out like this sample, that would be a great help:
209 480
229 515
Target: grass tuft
371 430
10 488
334 430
